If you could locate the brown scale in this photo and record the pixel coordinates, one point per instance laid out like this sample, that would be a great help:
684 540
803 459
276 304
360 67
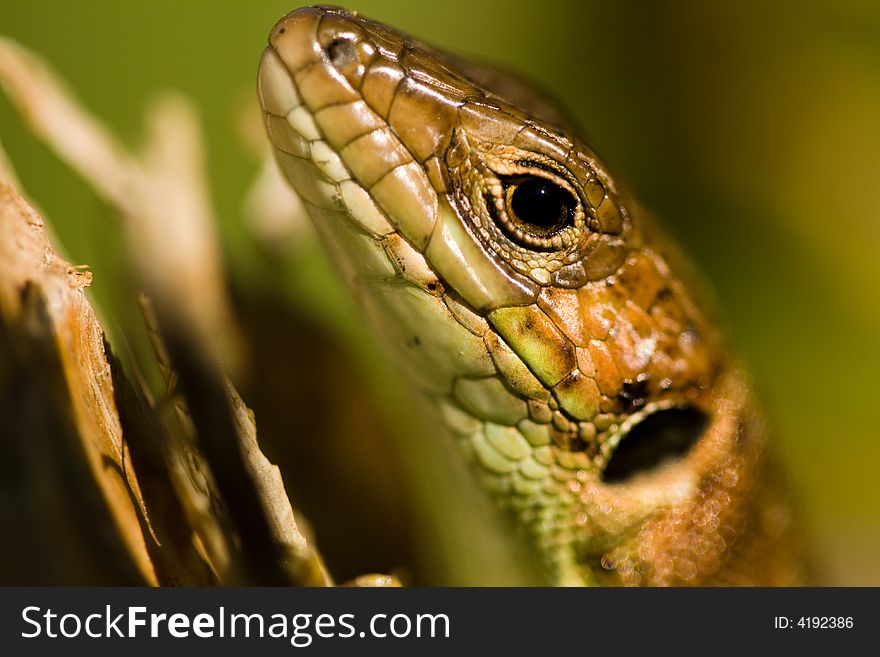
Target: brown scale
643 346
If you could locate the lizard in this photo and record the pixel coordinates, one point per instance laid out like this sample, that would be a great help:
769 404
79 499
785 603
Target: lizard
562 340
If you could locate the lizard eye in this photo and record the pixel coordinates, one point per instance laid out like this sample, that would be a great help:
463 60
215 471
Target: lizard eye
538 206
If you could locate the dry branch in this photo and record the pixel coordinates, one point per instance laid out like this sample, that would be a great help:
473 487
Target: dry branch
215 509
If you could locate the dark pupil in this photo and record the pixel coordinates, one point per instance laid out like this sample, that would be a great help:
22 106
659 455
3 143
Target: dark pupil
541 206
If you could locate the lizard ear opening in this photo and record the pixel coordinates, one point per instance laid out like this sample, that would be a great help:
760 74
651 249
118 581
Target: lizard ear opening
661 437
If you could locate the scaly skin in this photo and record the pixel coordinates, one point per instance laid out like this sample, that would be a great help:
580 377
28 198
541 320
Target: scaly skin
575 363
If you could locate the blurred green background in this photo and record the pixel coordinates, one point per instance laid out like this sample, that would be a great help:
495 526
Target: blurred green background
752 129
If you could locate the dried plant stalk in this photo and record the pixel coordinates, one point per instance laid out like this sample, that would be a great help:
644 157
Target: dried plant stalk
54 341
205 472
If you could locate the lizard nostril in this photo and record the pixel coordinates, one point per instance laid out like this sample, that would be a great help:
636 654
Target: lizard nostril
662 436
342 52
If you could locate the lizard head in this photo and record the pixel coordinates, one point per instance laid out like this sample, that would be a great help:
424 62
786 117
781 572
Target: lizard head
523 292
